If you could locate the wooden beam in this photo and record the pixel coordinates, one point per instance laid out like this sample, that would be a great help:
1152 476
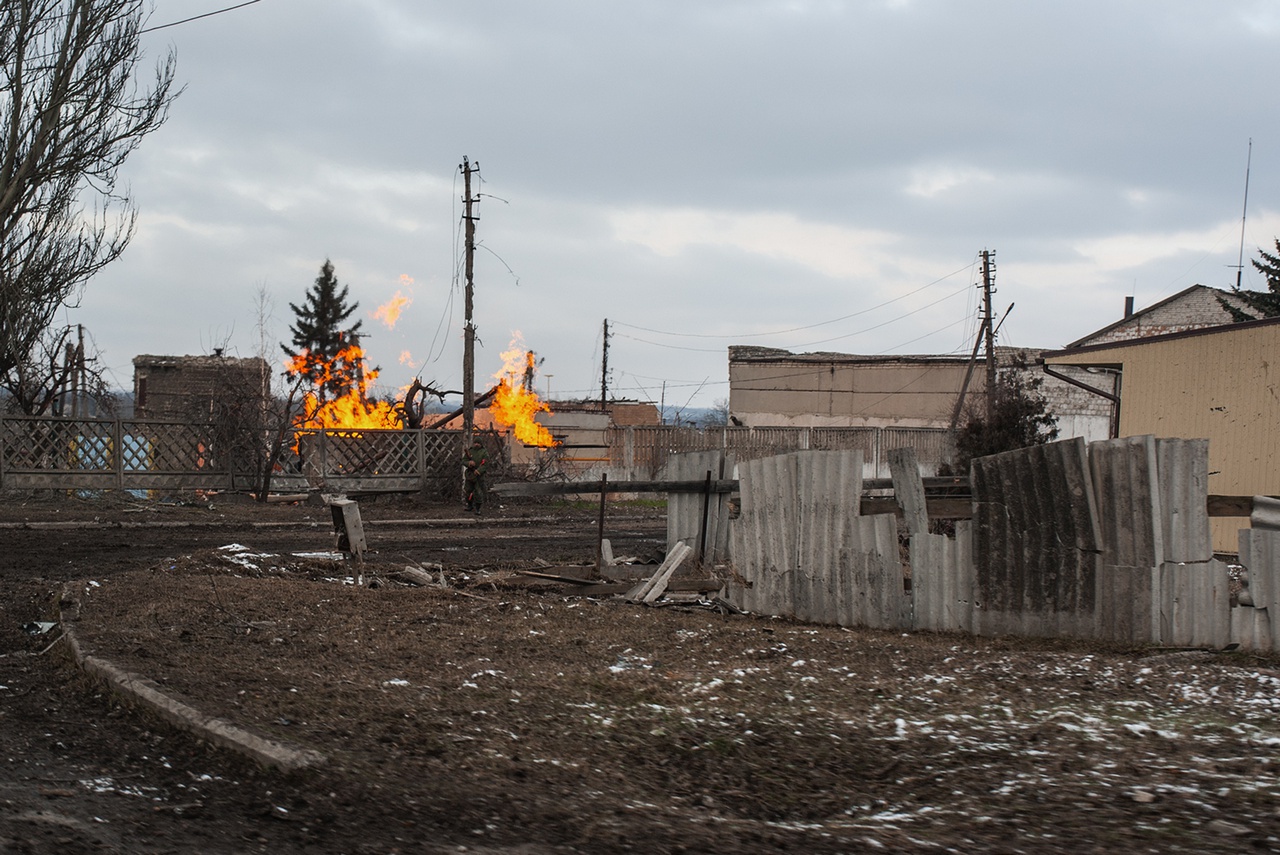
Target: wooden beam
532 488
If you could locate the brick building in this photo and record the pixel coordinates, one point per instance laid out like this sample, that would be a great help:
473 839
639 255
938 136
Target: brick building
197 388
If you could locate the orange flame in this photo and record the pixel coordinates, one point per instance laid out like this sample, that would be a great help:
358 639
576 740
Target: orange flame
406 358
515 403
353 409
389 312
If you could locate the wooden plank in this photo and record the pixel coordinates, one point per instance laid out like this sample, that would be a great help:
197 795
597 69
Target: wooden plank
532 488
939 508
608 589
569 580
1230 506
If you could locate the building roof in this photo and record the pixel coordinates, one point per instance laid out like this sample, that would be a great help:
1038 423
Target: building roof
747 353
1135 318
147 360
1067 355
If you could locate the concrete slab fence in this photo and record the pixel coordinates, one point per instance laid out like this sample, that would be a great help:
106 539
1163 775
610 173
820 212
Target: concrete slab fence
1107 541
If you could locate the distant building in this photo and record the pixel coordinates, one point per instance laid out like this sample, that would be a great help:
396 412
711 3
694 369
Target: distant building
196 388
769 387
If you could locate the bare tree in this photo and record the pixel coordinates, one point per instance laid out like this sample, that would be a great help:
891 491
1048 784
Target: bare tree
71 112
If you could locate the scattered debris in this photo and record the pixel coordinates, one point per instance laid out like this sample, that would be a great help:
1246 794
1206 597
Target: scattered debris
348 530
653 587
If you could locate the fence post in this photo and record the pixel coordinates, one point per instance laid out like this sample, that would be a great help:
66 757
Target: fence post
324 458
3 451
422 460
117 452
629 451
875 449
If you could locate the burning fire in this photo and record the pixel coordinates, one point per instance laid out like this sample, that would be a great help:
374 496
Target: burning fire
352 409
390 311
515 404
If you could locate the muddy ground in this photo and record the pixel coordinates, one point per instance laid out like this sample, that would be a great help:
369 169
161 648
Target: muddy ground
502 713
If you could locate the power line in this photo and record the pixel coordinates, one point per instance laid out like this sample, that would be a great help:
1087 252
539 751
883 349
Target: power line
800 329
198 17
810 343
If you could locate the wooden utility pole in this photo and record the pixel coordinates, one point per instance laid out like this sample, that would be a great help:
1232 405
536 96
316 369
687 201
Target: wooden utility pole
988 280
604 369
469 329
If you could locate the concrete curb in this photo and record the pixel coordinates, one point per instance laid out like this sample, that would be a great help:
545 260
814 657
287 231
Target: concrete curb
147 693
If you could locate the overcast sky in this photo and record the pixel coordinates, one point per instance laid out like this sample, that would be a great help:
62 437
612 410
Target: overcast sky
803 175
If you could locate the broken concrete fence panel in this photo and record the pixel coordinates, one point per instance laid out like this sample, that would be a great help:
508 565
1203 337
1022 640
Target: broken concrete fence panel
908 489
1260 555
606 553
658 582
685 510
640 591
1266 513
1194 605
1184 497
1251 629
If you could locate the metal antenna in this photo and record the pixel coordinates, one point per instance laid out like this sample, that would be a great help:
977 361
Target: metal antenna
1245 213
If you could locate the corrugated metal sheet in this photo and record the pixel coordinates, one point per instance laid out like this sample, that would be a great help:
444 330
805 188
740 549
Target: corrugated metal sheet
1184 487
1127 488
942 580
932 447
685 510
1194 605
800 549
1260 555
762 541
1125 611
1036 541
828 497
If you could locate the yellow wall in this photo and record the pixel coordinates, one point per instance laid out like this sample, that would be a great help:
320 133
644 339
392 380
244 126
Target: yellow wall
1222 385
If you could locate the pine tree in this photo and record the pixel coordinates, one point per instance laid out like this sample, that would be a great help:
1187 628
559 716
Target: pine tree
319 338
1265 304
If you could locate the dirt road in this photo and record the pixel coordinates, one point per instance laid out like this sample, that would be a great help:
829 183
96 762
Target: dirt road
496 715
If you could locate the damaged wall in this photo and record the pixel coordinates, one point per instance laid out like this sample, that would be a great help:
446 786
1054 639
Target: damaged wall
801 549
1106 541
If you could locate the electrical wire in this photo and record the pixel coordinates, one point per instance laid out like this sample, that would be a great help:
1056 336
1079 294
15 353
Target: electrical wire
800 329
198 17
808 343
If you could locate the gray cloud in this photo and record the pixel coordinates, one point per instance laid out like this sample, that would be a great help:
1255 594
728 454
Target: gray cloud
706 168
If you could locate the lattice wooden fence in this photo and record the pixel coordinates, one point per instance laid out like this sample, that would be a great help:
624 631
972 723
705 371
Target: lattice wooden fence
39 452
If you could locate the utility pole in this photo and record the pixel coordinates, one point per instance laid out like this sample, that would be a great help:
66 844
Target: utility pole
988 280
469 329
604 369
